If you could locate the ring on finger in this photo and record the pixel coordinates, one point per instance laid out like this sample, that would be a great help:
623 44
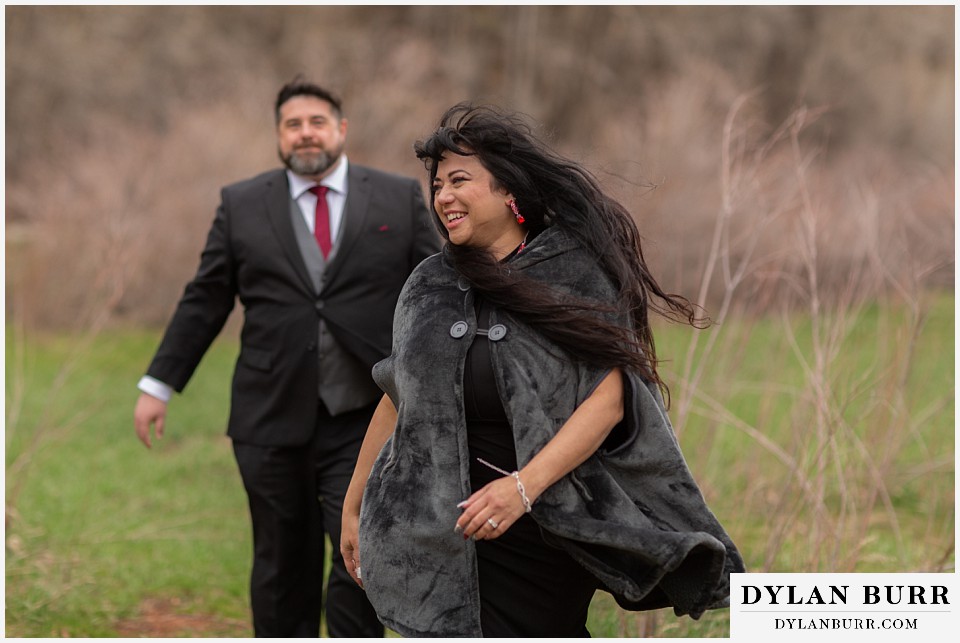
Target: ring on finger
493 523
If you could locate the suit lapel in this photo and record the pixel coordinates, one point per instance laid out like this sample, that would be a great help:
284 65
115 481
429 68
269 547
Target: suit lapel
355 211
277 201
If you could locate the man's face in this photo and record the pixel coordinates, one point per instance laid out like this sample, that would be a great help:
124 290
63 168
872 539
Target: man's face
310 136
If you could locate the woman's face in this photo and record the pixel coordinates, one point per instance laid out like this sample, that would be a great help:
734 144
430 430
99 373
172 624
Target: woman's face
473 211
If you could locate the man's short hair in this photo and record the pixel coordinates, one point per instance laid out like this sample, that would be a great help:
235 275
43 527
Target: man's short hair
301 87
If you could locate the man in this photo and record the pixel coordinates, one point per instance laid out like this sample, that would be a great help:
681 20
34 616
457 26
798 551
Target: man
317 255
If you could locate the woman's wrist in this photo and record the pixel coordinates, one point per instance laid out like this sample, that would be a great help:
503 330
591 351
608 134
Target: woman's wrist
529 485
352 501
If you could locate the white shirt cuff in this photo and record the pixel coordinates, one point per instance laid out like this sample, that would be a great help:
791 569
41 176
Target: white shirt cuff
155 388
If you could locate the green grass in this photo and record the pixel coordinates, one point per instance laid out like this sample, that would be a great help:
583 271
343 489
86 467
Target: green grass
98 526
99 523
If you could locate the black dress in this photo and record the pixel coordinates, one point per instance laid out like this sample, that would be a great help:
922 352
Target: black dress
527 587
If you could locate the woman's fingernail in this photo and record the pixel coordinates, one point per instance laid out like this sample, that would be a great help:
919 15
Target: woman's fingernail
457 529
461 505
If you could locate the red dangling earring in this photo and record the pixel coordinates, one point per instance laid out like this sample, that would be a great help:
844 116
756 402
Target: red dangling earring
516 212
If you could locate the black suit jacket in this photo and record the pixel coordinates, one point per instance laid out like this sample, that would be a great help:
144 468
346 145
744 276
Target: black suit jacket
252 254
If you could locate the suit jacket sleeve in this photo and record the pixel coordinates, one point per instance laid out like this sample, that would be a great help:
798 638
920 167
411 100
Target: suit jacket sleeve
202 311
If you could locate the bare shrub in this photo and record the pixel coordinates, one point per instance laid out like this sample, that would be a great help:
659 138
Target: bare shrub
127 215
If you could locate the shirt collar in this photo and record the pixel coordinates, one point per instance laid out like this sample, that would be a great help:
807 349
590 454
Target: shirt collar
336 180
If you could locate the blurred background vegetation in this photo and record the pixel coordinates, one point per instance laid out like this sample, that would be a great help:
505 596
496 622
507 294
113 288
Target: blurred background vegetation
123 122
791 168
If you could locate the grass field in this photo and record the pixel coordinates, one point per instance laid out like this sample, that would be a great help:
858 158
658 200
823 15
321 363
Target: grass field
822 444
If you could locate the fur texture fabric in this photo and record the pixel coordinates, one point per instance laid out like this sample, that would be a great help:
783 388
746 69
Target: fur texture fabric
632 514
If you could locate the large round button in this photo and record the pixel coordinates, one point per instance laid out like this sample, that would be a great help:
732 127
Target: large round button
458 330
463 284
497 332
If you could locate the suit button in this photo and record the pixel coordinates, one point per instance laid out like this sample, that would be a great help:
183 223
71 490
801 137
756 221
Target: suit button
497 332
463 284
311 347
318 306
459 329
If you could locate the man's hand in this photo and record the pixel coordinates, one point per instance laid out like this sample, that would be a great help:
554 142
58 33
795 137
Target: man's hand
148 412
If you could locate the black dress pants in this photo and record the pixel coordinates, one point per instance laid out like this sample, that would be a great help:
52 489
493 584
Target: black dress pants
296 497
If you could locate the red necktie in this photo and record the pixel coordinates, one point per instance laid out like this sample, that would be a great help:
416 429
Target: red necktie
321 228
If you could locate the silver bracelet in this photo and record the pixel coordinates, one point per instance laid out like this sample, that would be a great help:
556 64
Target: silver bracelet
527 506
523 494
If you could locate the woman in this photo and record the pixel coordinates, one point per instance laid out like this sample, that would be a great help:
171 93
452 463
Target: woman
522 457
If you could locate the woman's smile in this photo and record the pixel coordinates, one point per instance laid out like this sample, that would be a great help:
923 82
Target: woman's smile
454 217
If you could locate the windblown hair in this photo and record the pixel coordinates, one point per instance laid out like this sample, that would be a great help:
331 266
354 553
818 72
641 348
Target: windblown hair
553 191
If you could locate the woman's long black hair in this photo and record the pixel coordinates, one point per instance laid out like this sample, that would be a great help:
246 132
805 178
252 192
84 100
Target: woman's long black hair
551 190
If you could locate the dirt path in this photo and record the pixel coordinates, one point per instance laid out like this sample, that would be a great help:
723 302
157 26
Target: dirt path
165 618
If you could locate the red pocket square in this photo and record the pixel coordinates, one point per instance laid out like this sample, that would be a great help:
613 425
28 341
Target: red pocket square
384 228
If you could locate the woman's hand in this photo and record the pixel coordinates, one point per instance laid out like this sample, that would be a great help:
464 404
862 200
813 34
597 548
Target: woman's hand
490 512
350 545
381 428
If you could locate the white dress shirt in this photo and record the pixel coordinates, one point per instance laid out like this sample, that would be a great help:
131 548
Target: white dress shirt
336 198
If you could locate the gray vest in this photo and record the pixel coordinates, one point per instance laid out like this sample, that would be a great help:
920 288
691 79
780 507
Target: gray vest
345 383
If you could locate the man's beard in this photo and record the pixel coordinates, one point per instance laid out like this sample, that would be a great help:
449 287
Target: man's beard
313 165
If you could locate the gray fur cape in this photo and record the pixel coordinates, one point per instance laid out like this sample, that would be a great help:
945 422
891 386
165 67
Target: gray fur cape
632 515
